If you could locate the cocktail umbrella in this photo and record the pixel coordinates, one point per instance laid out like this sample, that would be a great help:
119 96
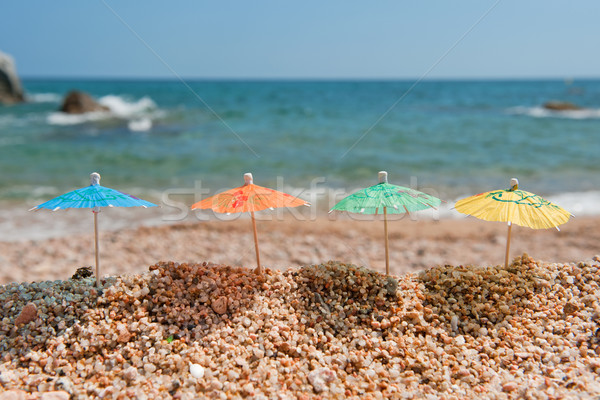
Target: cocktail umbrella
94 197
249 198
384 198
514 206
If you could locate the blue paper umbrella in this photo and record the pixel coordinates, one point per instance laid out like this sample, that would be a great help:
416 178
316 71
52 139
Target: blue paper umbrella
94 197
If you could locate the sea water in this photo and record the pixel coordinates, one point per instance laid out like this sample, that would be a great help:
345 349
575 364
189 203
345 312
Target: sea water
450 138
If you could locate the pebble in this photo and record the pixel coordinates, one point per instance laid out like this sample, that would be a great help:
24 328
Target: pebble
197 371
220 305
55 395
320 379
330 330
28 313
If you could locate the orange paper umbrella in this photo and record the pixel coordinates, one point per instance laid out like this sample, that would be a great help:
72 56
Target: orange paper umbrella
249 198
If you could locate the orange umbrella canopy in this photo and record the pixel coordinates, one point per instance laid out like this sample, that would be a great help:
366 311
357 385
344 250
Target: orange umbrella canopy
248 198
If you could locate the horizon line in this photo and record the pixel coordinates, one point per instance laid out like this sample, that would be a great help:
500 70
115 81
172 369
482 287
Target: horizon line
308 79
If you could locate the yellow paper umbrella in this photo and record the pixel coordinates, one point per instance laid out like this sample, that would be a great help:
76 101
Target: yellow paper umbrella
515 207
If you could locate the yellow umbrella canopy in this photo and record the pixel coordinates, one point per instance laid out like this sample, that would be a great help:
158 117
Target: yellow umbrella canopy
515 207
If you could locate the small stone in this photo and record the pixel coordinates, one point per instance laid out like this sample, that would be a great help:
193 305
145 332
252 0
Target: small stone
459 340
232 375
320 379
130 374
391 286
219 305
454 323
14 395
197 371
64 384
28 313
570 308
248 388
124 334
60 395
149 368
247 322
509 386
216 385
82 272
141 293
258 353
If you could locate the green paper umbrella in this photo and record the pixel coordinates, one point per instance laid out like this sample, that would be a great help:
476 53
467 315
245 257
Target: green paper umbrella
384 198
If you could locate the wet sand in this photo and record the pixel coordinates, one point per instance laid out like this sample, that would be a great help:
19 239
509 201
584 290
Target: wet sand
289 242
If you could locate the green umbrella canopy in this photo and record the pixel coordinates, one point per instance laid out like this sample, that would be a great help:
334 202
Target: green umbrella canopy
384 198
396 199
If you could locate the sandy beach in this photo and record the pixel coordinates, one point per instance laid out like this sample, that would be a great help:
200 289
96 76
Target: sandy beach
182 314
289 242
332 330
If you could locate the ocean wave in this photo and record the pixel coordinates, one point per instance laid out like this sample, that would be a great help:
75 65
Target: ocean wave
61 118
541 112
127 109
43 97
578 203
138 114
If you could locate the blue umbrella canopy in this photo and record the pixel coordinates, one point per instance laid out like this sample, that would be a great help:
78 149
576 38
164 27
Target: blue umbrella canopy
93 196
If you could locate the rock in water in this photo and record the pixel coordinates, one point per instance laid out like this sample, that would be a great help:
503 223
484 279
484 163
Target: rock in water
11 90
77 102
561 106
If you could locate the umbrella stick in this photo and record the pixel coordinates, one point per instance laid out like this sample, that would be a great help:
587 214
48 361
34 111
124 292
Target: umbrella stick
385 230
96 246
258 268
507 246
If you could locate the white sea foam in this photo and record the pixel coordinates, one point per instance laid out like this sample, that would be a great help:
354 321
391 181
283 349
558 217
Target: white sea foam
44 97
140 125
61 118
578 203
127 109
541 112
138 114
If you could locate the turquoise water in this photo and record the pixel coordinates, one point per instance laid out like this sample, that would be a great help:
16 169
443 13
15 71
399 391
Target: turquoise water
453 136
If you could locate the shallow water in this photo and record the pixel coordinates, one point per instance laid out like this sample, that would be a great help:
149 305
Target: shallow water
450 138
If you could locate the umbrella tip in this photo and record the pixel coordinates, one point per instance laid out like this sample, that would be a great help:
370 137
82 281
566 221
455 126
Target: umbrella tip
248 178
514 184
95 178
383 177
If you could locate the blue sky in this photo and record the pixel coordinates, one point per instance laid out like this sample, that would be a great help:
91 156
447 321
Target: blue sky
308 39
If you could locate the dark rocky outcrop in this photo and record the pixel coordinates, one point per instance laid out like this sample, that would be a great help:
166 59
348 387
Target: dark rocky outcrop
77 102
561 106
11 91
